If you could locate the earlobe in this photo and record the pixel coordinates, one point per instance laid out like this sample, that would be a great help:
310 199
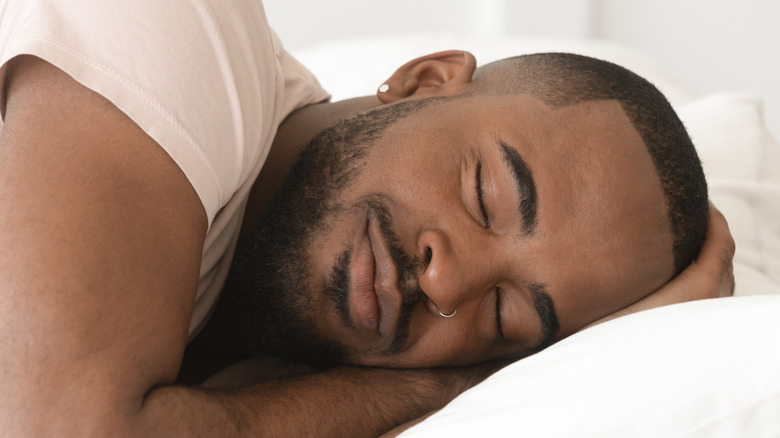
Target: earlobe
439 74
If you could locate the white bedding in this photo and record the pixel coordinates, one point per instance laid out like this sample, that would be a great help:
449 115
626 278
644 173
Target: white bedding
704 369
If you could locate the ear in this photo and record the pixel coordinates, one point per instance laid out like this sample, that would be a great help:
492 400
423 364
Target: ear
439 74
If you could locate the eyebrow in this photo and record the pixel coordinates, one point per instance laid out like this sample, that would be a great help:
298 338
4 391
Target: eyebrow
524 183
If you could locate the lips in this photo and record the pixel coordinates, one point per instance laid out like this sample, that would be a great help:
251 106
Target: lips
388 293
374 296
363 307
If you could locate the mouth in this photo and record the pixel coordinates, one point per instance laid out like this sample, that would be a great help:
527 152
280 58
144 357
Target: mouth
363 303
374 297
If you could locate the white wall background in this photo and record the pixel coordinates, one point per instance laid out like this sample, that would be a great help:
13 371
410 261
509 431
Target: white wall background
710 45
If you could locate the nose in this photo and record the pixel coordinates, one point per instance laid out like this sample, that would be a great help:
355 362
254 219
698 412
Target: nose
458 269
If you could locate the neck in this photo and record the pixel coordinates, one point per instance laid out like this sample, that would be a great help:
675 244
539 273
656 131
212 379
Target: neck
293 135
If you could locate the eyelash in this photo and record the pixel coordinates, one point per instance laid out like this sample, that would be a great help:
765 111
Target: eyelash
480 199
483 210
499 328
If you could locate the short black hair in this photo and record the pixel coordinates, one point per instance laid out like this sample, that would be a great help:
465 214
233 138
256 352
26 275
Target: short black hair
563 79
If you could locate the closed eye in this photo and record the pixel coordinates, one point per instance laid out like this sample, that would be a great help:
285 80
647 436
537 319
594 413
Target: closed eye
480 199
499 327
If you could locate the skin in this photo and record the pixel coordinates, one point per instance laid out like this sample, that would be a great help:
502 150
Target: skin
96 295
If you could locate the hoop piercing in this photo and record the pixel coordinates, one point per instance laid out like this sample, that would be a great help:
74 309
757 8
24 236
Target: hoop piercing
442 313
384 88
448 316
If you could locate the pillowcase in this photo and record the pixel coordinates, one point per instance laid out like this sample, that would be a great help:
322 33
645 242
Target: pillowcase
701 369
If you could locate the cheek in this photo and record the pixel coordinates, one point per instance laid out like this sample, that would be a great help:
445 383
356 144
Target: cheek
407 182
413 166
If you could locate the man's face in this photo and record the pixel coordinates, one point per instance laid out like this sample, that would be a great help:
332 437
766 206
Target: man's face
530 222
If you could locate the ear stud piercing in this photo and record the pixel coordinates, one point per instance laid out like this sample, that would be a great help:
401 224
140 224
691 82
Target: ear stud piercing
384 88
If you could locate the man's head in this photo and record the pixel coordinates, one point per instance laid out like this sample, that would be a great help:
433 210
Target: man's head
531 197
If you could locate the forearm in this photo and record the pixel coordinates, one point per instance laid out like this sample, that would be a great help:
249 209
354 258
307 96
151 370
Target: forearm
354 402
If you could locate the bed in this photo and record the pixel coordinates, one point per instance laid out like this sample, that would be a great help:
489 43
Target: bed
702 369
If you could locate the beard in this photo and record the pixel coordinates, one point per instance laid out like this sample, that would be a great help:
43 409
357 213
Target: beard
271 271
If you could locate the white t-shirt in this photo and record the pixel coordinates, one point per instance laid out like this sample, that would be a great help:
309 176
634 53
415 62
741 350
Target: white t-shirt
207 79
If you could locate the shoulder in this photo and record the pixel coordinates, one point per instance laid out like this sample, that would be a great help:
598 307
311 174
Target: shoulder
199 77
45 109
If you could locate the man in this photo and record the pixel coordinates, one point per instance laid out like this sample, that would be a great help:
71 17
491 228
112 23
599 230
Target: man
473 216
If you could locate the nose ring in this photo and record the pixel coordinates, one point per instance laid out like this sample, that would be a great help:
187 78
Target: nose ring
450 315
442 314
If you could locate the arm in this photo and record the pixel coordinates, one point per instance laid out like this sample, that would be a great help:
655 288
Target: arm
710 276
347 401
101 241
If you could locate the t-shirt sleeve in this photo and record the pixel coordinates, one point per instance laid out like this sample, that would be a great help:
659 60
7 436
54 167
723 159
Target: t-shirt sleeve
301 87
206 79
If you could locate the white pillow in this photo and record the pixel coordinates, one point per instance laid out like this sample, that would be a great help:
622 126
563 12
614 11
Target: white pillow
703 369
742 164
